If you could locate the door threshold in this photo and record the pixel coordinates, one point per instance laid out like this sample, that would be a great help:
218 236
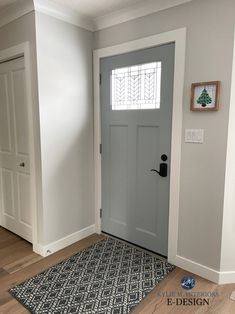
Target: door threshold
160 256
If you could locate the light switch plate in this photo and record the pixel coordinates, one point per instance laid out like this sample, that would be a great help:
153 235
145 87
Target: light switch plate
194 136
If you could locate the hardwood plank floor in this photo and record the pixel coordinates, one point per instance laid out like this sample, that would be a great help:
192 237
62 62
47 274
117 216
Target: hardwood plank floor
18 263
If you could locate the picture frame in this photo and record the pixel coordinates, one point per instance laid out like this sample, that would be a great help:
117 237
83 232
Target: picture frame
205 96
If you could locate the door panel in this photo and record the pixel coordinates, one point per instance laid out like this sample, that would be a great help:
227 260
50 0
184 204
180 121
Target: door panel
23 184
21 112
118 173
136 110
147 141
8 193
14 150
4 116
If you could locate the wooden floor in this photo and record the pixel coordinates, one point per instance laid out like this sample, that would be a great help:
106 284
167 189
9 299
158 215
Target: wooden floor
18 263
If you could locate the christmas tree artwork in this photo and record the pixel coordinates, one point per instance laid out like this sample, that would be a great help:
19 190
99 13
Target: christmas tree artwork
204 99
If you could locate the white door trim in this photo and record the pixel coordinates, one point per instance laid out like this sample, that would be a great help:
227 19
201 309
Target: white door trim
5 55
177 36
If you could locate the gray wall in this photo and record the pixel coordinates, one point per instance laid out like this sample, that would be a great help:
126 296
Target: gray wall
18 31
15 33
65 90
63 65
210 29
64 56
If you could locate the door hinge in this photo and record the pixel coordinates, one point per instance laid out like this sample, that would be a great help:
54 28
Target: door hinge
100 79
101 213
100 148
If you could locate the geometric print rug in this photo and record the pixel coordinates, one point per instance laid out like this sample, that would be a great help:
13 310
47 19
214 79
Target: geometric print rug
108 277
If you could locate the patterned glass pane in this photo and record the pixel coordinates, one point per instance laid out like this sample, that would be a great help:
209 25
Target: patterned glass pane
136 87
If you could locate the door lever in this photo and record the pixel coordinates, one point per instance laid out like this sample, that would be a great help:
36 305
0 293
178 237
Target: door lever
22 164
162 171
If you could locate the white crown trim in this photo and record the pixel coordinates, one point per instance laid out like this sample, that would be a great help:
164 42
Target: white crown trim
63 13
68 15
135 11
15 11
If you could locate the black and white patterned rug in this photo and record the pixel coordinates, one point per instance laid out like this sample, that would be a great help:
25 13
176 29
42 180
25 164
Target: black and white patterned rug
108 277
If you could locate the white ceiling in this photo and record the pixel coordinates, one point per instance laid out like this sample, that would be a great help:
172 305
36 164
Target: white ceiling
97 8
94 8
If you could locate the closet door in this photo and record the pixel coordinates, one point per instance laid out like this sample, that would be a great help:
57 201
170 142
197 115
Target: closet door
15 202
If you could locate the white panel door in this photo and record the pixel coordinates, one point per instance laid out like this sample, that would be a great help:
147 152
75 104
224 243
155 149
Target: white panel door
136 111
15 202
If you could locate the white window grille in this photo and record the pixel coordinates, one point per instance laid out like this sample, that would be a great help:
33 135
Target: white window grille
136 87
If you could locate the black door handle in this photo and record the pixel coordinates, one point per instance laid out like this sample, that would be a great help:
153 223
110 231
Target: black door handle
162 171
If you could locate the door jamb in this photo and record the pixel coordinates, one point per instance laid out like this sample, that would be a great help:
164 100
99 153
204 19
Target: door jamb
177 36
5 55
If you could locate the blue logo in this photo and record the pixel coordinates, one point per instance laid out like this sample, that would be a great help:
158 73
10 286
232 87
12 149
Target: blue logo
187 282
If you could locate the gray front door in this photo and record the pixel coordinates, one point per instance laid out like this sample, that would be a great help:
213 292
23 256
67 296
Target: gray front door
136 110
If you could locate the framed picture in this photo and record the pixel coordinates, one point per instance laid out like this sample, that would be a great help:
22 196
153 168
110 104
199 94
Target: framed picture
205 96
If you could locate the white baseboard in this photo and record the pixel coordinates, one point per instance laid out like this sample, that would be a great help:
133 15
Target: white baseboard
226 277
39 249
219 277
196 268
64 242
223 277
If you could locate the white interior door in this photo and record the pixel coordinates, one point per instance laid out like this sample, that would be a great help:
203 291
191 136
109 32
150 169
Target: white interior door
15 202
136 112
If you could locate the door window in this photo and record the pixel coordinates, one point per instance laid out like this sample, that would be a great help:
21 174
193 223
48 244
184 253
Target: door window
136 87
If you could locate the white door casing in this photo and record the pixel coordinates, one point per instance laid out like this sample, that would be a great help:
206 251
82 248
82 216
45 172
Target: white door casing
177 36
23 50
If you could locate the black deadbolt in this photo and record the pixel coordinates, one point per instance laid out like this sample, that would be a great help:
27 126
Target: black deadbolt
164 157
